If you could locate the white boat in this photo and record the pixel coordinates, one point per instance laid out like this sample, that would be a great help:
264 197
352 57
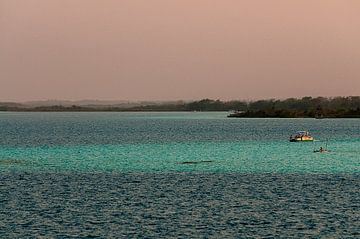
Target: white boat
301 136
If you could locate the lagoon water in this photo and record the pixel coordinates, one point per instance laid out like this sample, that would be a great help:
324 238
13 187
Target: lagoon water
178 174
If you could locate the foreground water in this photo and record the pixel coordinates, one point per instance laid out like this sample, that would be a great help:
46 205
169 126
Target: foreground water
176 174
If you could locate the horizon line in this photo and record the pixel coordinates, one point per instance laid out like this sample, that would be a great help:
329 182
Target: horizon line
172 100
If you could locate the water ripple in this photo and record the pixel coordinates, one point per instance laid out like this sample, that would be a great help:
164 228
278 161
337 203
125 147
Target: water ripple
179 205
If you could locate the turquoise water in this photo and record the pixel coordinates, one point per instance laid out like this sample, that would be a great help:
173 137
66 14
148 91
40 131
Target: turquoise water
174 142
176 175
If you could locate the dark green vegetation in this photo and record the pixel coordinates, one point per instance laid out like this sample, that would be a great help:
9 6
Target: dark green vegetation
306 107
319 107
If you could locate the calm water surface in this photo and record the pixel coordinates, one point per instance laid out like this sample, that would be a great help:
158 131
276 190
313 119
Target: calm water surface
176 175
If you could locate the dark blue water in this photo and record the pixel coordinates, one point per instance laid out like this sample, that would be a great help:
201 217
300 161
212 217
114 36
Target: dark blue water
180 205
176 175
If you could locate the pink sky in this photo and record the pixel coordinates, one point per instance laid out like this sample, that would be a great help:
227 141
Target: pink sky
178 49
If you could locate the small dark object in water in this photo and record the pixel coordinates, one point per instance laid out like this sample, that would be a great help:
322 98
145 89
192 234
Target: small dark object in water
11 161
196 162
321 150
324 151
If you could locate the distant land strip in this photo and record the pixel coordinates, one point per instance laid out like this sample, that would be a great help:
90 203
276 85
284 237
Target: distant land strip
308 107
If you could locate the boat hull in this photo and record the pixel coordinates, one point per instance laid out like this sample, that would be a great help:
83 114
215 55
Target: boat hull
301 140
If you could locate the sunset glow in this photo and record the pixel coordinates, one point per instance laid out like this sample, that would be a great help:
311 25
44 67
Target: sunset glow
169 50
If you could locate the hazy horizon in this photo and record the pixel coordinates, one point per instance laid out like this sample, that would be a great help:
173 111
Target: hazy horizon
137 50
115 101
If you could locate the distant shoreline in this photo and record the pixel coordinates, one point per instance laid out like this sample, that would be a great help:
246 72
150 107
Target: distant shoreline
306 107
230 115
259 115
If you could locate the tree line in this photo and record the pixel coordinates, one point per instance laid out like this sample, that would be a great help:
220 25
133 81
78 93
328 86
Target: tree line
291 107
